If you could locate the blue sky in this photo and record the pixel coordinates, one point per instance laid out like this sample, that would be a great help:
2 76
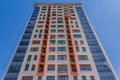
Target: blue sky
104 15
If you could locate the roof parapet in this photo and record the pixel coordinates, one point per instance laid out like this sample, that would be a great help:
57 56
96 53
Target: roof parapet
57 3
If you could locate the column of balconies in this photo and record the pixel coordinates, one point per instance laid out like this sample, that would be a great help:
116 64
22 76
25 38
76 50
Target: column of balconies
71 52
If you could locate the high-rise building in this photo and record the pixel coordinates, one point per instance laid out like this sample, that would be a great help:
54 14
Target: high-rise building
59 43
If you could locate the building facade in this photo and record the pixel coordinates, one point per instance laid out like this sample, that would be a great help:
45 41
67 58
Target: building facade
59 43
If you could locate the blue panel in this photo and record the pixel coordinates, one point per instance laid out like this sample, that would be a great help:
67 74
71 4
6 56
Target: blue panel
15 65
103 69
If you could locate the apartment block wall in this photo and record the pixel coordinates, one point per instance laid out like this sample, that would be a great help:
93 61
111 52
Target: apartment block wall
62 45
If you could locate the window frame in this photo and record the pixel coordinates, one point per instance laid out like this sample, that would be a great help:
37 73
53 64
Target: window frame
85 67
51 67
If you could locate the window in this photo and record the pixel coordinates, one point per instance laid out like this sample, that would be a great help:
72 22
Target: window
40 14
40 26
33 68
82 57
59 11
62 67
62 77
31 22
59 6
61 49
59 15
54 8
76 31
72 14
41 31
61 42
77 49
27 78
59 22
73 18
52 30
35 36
59 19
26 67
72 26
92 78
35 57
62 57
53 22
51 67
36 30
53 26
76 22
75 78
50 78
40 18
60 36
60 26
39 77
36 42
41 22
52 49
52 42
84 78
77 36
76 43
52 37
29 57
71 22
77 26
81 42
39 36
60 31
53 14
72 11
83 49
51 57
85 67
44 7
53 18
34 49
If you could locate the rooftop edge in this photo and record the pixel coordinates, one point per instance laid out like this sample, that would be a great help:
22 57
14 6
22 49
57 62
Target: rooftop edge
56 3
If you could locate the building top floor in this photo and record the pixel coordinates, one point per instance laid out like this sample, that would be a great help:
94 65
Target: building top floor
57 3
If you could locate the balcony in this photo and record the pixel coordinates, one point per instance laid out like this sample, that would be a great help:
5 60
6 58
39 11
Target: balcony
41 70
43 51
74 70
42 60
72 59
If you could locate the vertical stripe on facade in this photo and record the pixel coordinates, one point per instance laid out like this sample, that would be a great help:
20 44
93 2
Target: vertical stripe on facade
16 63
101 63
